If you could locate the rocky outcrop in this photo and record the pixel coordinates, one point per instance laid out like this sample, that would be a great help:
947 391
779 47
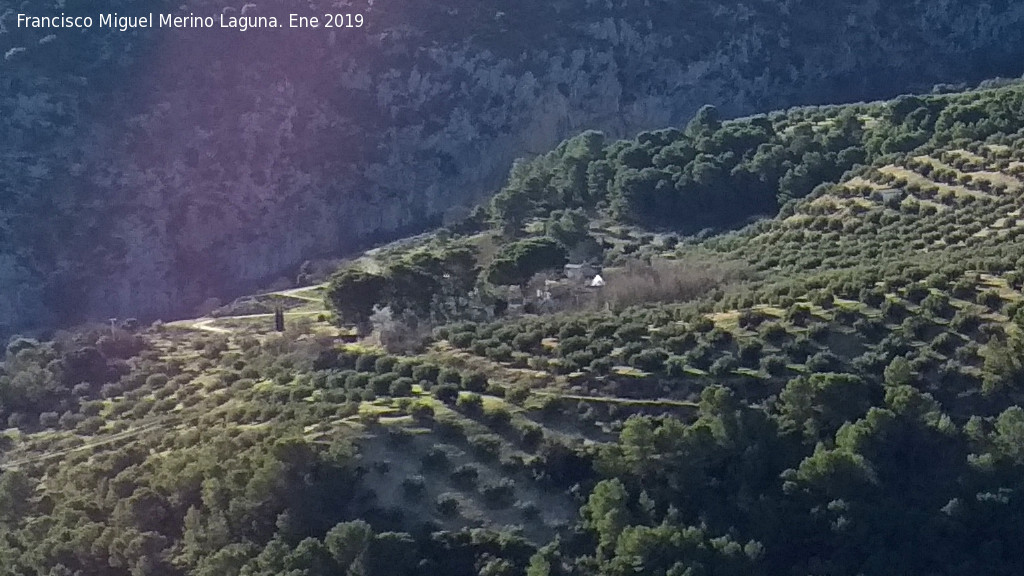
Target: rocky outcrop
159 168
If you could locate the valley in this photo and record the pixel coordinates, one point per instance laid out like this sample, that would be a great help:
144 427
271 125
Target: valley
620 332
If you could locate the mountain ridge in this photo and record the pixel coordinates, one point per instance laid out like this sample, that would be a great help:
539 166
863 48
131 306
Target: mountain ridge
201 182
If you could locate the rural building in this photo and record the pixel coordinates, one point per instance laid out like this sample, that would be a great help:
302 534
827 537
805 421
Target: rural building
580 272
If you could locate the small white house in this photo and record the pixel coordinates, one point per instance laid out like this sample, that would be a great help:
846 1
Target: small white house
597 281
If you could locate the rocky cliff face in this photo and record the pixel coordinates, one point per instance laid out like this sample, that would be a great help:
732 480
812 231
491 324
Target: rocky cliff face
143 172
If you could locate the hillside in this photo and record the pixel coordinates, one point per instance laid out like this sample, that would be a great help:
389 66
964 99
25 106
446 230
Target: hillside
832 390
143 173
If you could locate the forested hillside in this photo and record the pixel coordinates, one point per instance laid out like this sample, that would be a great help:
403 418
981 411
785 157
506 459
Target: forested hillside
833 390
144 172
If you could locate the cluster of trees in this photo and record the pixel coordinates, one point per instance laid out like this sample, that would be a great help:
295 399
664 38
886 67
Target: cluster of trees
715 173
520 261
43 381
199 489
709 174
421 282
205 507
451 281
866 479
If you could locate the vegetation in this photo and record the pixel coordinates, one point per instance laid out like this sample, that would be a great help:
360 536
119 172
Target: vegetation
388 138
832 390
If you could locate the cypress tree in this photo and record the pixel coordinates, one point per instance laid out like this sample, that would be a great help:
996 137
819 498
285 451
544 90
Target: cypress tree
279 319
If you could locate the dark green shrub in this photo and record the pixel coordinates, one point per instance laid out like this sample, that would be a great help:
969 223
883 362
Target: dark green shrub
915 293
650 360
498 417
367 362
873 297
527 341
385 364
774 365
487 447
434 460
470 403
750 352
500 495
426 372
414 487
723 366
681 344
531 435
751 319
798 315
357 381
156 381
965 321
823 299
675 366
447 506
475 382
447 393
937 305
89 426
914 327
572 329
422 412
824 362
405 369
990 299
465 476
773 332
462 339
499 353
719 338
529 511
401 387
518 395
631 332
601 366
449 376
49 419
572 344
703 324
894 310
381 384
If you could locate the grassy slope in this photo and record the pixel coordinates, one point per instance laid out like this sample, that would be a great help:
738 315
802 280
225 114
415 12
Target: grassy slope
851 278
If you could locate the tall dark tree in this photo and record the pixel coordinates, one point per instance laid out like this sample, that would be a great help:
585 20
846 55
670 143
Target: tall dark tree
279 319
